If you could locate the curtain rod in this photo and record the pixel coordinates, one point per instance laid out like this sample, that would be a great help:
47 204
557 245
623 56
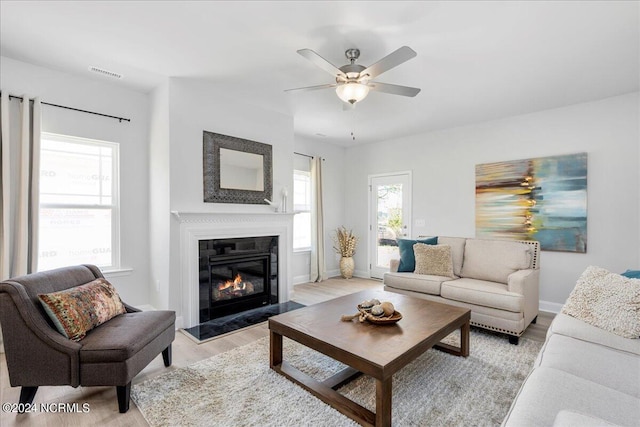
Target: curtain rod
306 155
120 119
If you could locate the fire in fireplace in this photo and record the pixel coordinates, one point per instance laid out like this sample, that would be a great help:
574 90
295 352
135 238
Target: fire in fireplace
233 289
237 275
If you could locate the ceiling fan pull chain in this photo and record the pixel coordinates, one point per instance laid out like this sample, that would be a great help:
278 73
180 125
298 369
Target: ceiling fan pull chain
353 125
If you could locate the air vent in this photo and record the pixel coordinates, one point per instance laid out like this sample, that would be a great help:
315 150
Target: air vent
105 72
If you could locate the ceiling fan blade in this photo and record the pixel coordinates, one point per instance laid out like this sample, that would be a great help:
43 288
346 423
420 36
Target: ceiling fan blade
321 62
394 59
309 88
394 89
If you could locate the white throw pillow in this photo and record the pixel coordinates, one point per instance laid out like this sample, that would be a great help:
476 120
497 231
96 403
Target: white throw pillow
606 300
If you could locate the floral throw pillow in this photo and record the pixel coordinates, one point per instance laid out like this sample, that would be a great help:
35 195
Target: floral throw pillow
606 300
75 311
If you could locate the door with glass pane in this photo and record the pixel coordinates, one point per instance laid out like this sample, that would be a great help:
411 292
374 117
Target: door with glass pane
390 218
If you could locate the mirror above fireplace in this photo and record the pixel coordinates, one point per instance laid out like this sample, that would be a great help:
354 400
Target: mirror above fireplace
241 171
236 170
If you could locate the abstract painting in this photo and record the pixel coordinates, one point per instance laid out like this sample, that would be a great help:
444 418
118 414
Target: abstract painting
543 199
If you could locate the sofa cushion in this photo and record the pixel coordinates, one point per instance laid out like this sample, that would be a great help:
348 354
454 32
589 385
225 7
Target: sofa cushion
433 260
494 260
615 369
578 419
422 283
606 300
547 391
407 257
122 337
457 251
77 310
570 326
482 292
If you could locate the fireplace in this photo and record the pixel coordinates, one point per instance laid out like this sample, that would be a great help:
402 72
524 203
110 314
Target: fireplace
237 274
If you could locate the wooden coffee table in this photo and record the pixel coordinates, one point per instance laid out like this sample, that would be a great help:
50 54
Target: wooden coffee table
375 350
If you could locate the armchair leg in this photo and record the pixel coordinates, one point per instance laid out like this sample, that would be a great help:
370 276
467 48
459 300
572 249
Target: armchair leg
535 320
26 395
124 394
514 340
166 356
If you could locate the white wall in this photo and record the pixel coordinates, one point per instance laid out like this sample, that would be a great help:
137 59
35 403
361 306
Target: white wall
443 165
159 203
333 203
76 91
195 106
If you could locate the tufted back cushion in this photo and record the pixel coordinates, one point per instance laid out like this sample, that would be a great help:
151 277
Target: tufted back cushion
457 251
494 260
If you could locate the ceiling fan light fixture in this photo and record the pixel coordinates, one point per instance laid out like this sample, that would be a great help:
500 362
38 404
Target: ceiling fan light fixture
352 92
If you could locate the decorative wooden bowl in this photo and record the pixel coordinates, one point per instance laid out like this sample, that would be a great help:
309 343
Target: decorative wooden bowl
365 314
385 320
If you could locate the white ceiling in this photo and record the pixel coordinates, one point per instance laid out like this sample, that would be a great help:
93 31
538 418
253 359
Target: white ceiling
476 61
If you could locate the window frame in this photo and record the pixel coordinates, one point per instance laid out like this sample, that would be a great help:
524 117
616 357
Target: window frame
115 193
298 211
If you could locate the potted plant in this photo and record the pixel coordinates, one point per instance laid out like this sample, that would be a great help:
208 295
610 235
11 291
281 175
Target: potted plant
345 244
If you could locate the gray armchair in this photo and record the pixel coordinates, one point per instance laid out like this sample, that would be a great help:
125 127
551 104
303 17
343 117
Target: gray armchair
110 355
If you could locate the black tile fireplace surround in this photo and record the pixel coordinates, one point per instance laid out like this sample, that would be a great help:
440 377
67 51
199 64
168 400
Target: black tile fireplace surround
237 274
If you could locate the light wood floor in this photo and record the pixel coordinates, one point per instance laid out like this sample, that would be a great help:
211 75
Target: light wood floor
102 400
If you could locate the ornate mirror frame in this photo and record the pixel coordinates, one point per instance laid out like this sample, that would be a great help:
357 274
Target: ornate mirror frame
211 144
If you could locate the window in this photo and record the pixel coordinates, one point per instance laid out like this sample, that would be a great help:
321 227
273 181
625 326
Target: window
302 207
79 206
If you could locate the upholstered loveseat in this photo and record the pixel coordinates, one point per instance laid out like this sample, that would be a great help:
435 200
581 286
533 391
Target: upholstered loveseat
497 280
111 354
585 375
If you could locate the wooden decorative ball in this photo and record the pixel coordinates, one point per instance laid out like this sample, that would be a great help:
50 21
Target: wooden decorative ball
388 308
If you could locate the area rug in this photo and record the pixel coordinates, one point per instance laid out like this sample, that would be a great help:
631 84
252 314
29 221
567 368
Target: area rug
237 388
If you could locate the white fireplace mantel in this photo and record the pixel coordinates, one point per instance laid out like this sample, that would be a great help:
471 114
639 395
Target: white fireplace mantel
195 226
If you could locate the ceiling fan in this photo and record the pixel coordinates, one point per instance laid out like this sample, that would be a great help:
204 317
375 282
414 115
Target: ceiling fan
354 81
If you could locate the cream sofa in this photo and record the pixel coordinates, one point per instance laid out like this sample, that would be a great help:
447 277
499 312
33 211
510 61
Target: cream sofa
496 279
584 376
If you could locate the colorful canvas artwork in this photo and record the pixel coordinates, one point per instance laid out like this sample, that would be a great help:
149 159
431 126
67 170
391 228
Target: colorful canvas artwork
543 199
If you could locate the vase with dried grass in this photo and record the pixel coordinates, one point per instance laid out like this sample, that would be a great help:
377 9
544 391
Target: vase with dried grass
345 244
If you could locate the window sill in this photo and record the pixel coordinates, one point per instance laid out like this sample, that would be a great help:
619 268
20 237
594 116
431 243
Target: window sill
120 272
302 250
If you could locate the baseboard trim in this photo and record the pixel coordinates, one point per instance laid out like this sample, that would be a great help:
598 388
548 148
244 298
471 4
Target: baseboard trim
333 273
298 280
363 274
551 307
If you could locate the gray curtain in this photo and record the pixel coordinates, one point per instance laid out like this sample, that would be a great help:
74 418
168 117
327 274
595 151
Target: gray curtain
317 272
20 171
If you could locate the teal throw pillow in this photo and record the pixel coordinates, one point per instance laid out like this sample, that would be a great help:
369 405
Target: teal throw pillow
407 257
632 274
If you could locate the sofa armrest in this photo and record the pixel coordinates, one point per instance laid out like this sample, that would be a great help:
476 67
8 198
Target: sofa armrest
30 342
393 265
526 283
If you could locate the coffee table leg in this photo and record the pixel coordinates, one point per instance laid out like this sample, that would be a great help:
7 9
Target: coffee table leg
275 350
383 402
464 340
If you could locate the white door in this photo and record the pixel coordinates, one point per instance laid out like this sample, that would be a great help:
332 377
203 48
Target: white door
389 218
